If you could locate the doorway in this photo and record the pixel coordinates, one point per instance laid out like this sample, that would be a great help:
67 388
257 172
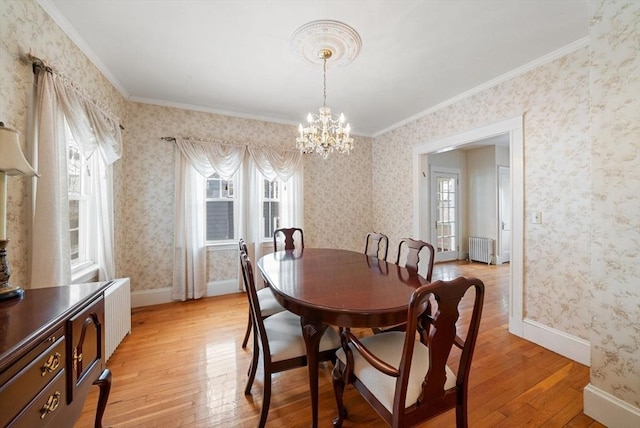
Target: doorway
422 218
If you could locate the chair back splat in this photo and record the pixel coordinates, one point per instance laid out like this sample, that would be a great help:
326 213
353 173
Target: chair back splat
289 238
414 249
377 245
407 380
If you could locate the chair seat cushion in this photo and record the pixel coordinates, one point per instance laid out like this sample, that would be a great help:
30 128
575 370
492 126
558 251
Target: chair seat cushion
284 333
388 347
268 303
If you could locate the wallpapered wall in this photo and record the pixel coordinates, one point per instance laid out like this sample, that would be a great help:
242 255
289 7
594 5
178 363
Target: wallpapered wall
25 27
582 179
337 191
581 271
615 186
554 100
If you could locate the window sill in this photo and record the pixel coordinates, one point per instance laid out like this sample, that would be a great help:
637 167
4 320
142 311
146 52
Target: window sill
84 273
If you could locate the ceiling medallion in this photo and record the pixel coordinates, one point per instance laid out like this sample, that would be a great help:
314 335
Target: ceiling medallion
342 40
317 42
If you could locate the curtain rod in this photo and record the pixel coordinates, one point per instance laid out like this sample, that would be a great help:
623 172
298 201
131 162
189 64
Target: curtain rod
229 143
37 63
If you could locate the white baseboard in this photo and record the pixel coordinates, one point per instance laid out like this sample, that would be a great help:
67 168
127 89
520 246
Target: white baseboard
158 296
567 345
609 410
217 288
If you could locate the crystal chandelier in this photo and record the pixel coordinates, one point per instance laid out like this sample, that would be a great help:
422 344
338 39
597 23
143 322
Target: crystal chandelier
324 133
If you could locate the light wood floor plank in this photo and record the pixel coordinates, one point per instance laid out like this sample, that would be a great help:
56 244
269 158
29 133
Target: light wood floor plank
183 366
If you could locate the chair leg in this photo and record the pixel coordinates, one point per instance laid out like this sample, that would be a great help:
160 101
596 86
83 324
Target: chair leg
247 333
461 413
338 390
266 400
253 368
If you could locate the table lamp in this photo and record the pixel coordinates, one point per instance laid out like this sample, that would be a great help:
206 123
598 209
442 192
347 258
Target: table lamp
12 162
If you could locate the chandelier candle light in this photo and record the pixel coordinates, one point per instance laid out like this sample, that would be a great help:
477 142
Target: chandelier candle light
320 41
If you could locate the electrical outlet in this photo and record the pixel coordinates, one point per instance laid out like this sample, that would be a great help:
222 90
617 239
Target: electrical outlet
536 217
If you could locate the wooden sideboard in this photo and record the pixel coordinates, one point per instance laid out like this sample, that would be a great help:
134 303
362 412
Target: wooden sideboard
51 352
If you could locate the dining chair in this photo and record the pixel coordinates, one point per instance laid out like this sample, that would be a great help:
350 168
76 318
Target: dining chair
268 303
279 339
377 245
289 238
404 378
414 248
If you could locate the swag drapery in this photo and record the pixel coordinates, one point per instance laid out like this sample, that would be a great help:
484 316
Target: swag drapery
98 133
197 160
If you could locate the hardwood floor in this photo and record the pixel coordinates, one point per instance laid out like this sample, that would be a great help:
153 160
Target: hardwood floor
183 366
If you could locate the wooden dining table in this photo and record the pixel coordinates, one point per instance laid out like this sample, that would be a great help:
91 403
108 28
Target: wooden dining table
340 288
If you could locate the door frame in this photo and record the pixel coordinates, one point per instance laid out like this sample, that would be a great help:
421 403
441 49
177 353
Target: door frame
500 252
514 127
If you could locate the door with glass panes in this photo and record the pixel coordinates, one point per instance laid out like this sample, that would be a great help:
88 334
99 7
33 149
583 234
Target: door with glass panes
444 215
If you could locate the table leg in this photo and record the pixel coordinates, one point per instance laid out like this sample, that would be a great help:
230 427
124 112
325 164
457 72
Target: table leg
312 333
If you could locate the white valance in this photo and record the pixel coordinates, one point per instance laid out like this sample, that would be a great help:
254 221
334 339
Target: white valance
274 163
91 127
211 157
208 158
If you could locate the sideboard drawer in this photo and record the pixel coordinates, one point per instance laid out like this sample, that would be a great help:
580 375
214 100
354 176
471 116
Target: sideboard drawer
42 411
32 373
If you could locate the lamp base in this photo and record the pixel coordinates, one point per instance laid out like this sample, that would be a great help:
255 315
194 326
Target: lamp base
10 292
7 291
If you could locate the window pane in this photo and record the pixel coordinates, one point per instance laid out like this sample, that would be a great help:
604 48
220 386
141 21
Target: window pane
74 214
271 217
213 188
74 168
219 220
75 245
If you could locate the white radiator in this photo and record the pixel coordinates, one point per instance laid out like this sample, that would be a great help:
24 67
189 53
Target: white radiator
117 314
480 249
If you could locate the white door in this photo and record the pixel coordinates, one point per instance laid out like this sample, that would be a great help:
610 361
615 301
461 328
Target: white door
504 214
444 212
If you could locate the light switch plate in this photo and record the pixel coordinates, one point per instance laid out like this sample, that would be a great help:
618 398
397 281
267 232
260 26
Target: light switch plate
536 217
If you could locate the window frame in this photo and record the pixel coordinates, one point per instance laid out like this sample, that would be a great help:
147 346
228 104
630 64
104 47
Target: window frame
85 266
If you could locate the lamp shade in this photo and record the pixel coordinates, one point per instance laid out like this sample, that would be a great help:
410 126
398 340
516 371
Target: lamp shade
12 160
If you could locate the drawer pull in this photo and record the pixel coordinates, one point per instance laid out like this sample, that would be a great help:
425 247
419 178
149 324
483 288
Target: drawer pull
51 405
53 362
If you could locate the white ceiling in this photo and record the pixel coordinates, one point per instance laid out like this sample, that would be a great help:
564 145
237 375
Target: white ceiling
233 57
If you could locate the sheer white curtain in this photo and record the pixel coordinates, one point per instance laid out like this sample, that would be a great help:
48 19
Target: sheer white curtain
274 164
57 100
196 160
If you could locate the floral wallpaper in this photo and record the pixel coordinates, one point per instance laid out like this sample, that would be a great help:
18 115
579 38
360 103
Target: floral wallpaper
615 165
25 27
581 170
554 100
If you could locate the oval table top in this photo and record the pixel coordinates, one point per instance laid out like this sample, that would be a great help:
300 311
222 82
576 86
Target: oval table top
339 287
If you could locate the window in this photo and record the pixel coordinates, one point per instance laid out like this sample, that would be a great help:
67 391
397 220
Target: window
220 206
270 207
79 176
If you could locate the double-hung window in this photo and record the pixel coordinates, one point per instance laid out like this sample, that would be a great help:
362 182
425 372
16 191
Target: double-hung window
80 213
271 205
220 209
